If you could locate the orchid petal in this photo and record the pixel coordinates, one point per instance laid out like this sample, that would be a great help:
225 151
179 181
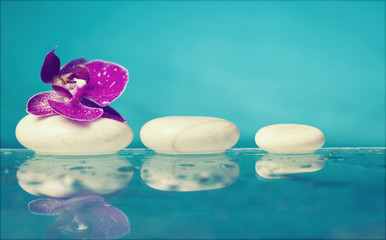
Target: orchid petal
51 206
76 111
67 68
50 68
81 72
108 222
38 104
45 206
103 220
107 82
87 198
78 202
108 112
62 91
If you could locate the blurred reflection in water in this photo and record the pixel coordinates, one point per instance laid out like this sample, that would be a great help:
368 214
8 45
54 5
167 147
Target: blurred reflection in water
65 176
82 217
275 166
189 172
75 186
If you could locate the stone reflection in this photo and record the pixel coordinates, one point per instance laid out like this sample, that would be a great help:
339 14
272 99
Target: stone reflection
183 173
275 166
65 176
76 189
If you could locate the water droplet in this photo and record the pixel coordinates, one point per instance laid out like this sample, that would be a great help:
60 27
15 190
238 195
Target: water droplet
173 188
125 169
306 166
77 168
34 183
227 166
187 165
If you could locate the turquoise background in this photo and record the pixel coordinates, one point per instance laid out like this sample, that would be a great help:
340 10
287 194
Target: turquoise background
255 63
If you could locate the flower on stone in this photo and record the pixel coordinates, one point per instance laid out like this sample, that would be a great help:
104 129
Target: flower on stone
82 90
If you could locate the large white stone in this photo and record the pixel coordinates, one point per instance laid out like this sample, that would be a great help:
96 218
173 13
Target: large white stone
61 136
189 135
289 138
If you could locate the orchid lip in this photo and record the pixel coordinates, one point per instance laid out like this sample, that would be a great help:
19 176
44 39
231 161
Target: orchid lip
62 91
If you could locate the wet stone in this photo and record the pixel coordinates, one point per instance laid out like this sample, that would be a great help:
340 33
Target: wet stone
57 135
189 135
289 138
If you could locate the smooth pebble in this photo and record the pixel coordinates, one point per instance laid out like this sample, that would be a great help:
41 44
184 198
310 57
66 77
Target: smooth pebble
189 135
58 135
289 138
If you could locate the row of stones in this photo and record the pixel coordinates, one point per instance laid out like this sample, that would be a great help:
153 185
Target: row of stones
168 135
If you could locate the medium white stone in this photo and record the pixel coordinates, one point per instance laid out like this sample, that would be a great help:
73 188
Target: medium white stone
58 135
189 135
289 138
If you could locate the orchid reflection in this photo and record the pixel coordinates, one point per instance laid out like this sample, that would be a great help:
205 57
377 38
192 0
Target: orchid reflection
275 166
82 217
76 189
189 172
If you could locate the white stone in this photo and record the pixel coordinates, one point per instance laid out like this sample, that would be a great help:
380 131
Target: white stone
58 135
275 166
289 138
183 173
65 176
189 135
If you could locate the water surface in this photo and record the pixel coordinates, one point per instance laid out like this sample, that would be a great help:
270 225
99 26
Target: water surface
243 194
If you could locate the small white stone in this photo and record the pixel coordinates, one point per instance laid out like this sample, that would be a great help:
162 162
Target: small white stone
289 138
58 135
189 135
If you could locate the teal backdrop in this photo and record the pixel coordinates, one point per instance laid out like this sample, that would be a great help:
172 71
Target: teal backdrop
255 63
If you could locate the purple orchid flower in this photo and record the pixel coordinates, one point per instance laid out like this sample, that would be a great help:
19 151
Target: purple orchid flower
82 217
82 90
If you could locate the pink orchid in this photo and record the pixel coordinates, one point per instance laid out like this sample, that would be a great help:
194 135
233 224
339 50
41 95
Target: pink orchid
82 90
